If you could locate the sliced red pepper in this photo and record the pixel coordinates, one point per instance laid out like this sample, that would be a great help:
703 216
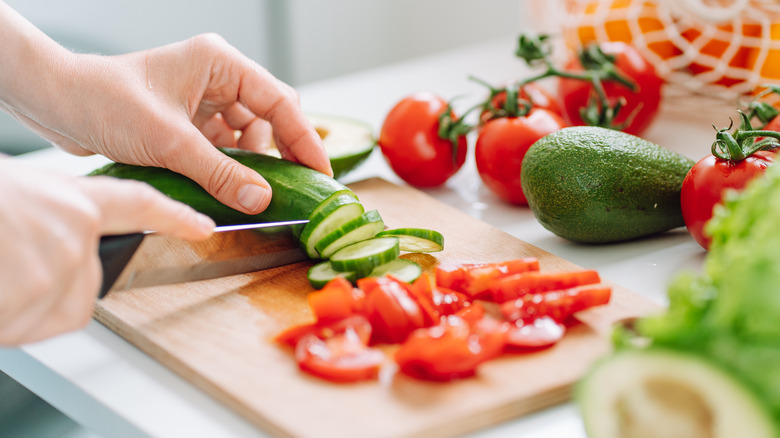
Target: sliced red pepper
336 300
558 304
516 285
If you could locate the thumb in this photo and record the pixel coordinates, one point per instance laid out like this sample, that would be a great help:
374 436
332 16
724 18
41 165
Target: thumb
232 183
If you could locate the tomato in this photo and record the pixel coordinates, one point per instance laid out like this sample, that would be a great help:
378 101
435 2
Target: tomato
339 357
640 108
337 300
357 323
450 350
390 308
516 285
536 95
501 147
558 304
410 142
705 183
473 279
422 292
534 334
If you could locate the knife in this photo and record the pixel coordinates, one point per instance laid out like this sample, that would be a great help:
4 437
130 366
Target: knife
231 250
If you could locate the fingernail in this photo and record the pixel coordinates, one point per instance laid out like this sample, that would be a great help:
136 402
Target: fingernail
252 197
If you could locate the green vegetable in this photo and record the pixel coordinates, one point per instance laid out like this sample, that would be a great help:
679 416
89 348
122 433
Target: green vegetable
598 185
297 190
362 257
363 227
417 239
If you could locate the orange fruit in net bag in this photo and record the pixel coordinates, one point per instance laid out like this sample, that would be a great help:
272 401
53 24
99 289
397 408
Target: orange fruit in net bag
688 48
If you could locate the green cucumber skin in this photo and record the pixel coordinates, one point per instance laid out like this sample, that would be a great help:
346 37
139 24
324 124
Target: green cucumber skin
297 190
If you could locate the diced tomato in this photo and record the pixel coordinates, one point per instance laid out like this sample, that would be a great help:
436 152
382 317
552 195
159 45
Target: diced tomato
516 285
471 313
422 291
450 350
471 279
340 357
558 304
534 334
336 300
390 309
358 323
448 301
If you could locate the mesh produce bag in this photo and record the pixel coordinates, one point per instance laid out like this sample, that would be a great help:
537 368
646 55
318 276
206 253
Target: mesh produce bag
711 48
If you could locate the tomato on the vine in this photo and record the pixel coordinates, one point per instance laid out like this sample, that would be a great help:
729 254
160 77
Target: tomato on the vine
412 144
502 145
705 183
537 96
640 106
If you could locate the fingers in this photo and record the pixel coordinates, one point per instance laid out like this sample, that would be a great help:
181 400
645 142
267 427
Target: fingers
277 103
232 183
131 206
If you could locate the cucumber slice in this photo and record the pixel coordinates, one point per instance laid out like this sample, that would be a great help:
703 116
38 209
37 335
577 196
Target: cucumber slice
321 273
348 142
362 257
362 227
662 393
402 269
330 217
417 239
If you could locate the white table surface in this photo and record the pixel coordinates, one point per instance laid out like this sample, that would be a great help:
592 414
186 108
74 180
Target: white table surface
101 381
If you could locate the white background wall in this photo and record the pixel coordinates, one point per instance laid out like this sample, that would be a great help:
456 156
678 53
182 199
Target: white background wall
300 41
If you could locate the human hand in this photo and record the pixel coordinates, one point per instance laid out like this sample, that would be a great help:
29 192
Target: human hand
51 273
169 107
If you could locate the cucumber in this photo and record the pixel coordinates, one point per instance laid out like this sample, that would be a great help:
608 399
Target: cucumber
362 227
664 393
362 257
402 269
320 274
297 190
417 239
330 217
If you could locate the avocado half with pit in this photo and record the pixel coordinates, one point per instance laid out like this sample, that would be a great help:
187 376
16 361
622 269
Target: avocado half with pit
658 393
348 142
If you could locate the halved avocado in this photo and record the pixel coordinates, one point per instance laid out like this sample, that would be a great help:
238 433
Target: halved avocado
668 394
348 142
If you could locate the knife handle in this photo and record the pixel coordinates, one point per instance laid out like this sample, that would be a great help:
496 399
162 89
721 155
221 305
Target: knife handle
115 252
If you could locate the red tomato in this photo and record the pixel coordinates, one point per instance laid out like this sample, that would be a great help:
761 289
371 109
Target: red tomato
422 292
390 308
337 300
340 357
357 323
409 140
534 334
450 350
501 147
558 304
705 183
516 285
641 106
536 95
472 279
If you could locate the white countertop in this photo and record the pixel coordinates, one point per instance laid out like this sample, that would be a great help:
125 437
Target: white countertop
106 384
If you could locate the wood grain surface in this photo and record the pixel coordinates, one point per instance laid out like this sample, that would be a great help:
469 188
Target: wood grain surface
218 333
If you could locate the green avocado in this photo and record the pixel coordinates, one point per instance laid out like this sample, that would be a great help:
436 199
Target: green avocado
596 185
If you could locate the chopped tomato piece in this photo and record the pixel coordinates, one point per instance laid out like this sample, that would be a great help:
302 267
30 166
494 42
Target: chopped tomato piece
448 301
423 293
534 334
558 304
516 285
450 350
341 357
473 278
322 329
336 300
390 309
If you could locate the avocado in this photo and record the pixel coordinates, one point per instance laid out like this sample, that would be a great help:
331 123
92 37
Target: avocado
595 185
663 393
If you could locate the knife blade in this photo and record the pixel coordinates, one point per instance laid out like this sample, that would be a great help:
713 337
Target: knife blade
147 259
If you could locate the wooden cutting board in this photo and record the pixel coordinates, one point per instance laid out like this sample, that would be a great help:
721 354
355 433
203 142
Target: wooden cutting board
218 334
